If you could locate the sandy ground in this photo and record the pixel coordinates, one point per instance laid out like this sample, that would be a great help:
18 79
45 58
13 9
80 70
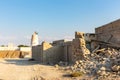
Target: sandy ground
22 69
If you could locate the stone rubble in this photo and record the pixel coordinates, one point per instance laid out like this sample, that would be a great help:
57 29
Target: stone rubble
103 64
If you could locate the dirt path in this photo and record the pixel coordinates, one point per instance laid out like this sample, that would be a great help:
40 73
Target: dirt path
22 69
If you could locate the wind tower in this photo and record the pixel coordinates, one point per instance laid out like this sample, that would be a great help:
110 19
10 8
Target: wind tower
34 39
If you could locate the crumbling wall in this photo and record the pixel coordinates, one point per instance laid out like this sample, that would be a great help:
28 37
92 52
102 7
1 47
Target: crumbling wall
89 39
79 49
109 32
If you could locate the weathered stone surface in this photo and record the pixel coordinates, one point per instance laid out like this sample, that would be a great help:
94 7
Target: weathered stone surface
79 49
101 73
102 68
109 32
47 53
79 35
116 68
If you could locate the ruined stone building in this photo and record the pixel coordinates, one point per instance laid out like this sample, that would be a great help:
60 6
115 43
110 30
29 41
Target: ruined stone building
61 50
71 51
107 35
52 53
109 32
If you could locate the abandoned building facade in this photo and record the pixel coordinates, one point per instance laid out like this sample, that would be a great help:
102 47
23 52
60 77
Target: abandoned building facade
70 51
109 32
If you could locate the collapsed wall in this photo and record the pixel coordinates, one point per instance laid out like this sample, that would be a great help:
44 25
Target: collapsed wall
102 64
104 61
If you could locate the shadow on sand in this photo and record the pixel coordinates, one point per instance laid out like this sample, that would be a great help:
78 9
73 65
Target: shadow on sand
20 61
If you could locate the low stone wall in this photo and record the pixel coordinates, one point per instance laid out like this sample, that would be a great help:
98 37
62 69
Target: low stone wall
12 54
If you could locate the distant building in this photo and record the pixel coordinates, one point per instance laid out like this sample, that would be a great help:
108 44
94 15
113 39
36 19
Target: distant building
11 51
34 39
11 47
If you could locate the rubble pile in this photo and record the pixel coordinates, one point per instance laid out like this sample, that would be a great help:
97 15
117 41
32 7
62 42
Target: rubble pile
103 63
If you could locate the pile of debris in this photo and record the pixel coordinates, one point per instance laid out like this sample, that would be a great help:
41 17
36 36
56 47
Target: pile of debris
102 63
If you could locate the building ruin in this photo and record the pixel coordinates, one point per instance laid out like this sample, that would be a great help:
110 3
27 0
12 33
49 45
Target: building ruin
61 50
71 51
109 33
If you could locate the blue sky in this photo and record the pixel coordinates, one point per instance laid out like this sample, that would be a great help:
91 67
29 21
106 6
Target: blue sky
53 19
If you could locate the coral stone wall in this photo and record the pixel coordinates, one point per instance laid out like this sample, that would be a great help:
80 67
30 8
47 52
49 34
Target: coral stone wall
79 49
37 53
52 54
109 32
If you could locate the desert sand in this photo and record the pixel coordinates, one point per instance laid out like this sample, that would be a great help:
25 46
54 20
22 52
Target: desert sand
22 69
